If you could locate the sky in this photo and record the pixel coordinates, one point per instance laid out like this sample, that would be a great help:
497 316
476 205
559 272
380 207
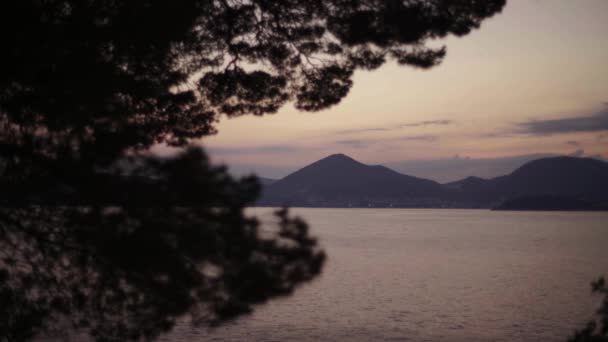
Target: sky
532 81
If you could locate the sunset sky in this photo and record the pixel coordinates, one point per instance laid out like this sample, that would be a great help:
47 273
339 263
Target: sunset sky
533 79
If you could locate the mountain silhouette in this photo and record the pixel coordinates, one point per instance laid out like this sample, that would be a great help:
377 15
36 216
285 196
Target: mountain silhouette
266 181
340 181
577 178
467 183
569 176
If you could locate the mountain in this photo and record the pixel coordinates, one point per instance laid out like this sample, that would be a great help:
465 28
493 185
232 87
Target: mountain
567 176
450 169
340 181
266 181
467 183
577 178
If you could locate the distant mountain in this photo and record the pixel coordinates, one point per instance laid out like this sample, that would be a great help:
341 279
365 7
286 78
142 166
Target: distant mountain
266 181
467 183
566 176
340 181
450 169
579 178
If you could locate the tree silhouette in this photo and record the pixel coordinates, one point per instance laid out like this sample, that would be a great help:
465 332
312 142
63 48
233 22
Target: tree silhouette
97 234
596 330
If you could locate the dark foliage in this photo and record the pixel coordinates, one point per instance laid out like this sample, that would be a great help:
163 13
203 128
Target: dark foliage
596 330
134 73
95 234
174 241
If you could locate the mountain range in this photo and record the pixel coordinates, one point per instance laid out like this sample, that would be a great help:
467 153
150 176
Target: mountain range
340 181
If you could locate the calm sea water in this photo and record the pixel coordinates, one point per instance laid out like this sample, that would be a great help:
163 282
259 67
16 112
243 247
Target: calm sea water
436 275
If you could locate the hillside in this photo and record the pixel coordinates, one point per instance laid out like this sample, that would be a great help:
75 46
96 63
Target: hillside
340 181
579 178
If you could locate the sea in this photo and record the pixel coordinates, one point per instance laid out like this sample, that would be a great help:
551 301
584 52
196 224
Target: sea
435 275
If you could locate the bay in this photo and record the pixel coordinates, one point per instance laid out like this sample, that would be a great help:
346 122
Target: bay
435 275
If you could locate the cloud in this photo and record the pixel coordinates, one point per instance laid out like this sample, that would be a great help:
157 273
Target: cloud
573 143
500 134
591 123
418 138
238 151
363 143
427 123
393 128
253 149
354 143
577 153
363 130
